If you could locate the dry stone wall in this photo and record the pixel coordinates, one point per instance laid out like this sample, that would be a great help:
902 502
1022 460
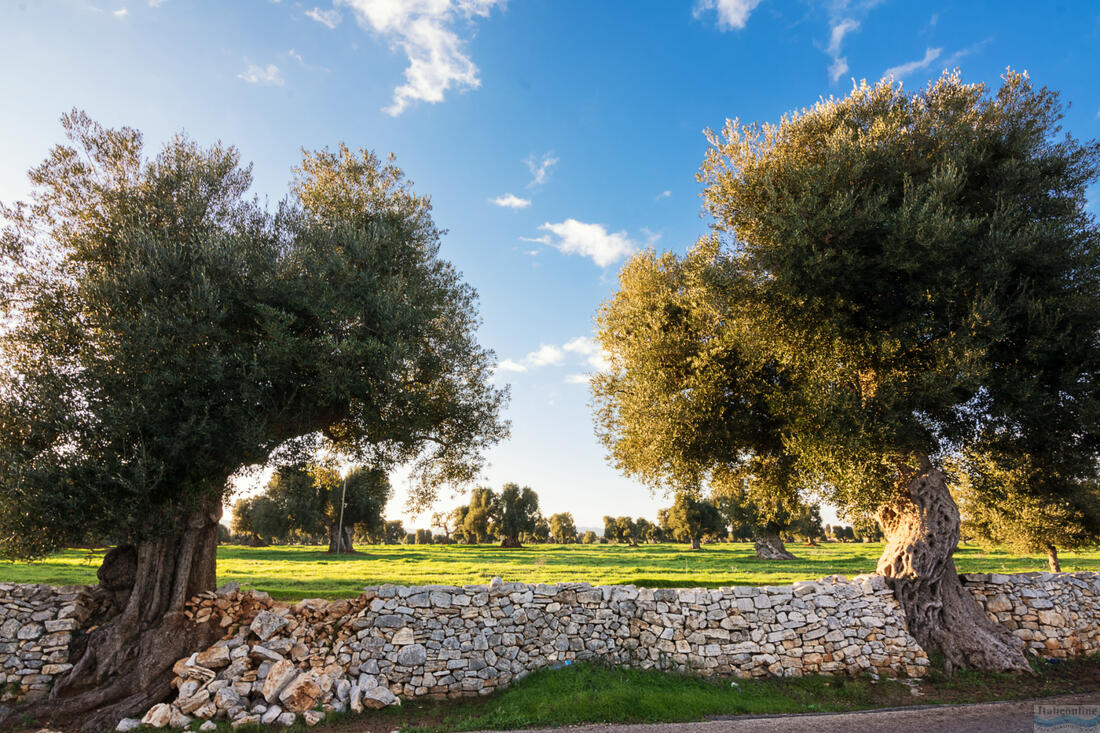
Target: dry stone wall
1056 614
36 627
396 642
279 663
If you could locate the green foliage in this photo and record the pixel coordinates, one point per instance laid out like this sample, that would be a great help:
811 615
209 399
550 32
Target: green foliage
517 511
690 520
479 515
562 528
924 271
590 538
165 331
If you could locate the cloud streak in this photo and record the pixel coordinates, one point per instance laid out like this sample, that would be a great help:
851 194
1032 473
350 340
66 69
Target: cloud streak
590 240
540 168
329 18
265 75
510 201
732 14
425 31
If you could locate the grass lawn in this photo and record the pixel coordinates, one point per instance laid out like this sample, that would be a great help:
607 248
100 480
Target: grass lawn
292 573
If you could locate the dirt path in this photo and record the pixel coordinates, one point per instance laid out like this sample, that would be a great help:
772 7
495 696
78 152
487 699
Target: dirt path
997 717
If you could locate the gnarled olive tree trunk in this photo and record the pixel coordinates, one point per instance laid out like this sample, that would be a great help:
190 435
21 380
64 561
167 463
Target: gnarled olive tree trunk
922 531
339 542
1052 559
124 666
771 547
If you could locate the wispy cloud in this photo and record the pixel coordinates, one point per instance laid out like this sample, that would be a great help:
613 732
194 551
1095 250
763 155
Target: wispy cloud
731 13
510 201
424 30
156 3
121 13
578 378
590 240
544 239
329 18
508 365
540 168
267 75
903 70
662 195
591 350
546 354
837 32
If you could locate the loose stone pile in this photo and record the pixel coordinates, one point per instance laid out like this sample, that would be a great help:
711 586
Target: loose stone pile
1057 615
36 627
443 641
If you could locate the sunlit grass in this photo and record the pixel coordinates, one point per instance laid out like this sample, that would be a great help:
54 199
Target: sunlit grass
305 572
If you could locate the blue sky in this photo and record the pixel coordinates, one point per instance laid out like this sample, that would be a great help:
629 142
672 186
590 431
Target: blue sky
554 136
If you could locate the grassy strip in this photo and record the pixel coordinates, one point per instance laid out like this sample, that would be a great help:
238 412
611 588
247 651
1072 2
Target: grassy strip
295 572
592 693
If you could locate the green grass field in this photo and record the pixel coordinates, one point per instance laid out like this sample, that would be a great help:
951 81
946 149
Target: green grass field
292 573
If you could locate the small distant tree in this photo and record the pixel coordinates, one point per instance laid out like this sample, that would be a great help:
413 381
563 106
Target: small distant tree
828 531
423 537
562 528
610 528
540 534
807 524
590 538
998 497
693 519
867 529
393 532
480 514
517 511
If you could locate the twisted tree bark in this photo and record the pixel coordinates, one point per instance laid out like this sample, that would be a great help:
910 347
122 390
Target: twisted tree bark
922 532
124 665
340 542
1052 559
771 547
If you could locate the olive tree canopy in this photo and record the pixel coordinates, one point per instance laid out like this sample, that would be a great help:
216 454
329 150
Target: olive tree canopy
162 330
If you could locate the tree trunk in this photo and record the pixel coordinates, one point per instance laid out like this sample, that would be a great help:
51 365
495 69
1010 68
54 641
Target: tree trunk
922 531
771 547
1052 559
124 665
340 542
695 543
511 543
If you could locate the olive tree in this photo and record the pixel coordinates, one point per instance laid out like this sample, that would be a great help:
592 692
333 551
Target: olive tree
163 330
563 530
923 270
517 513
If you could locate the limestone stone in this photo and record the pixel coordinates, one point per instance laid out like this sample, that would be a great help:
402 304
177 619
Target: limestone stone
301 694
158 716
412 655
278 677
266 624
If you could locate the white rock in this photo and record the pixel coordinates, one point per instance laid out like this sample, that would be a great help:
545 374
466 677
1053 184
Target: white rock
158 716
128 724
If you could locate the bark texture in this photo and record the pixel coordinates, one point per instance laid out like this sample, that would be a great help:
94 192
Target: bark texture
695 544
339 542
124 665
922 532
511 543
771 547
1052 559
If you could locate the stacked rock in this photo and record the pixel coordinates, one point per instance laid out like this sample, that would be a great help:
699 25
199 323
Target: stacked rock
278 661
36 626
1055 614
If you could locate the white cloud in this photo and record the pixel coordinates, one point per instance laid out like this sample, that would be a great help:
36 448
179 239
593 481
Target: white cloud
591 350
267 75
330 18
903 70
423 29
731 13
837 31
544 239
663 195
590 240
577 378
511 201
838 68
510 366
544 355
296 56
540 168
121 13
156 3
